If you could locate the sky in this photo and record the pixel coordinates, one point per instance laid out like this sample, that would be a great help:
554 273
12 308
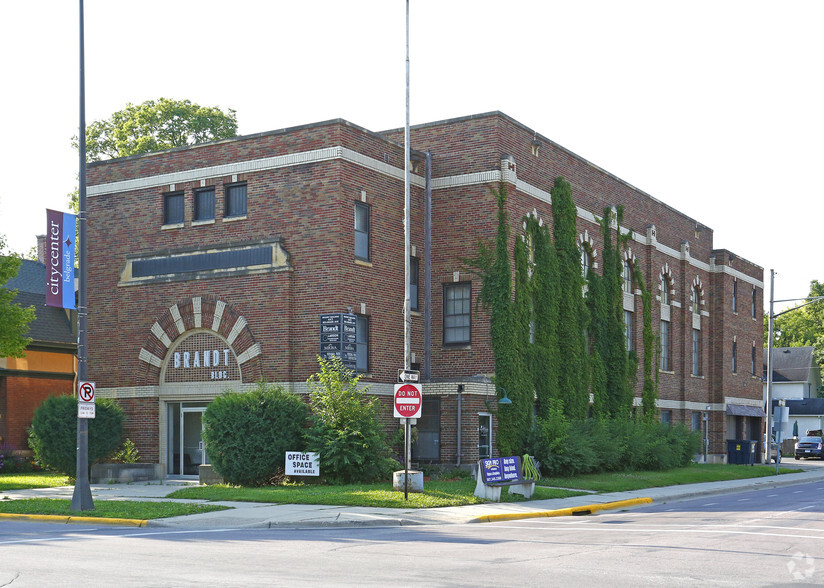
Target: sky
714 107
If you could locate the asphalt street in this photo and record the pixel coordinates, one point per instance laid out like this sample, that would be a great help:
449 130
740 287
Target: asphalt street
771 536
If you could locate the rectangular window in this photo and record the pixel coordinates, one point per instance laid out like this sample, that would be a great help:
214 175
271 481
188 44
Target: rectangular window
752 360
696 421
666 417
362 339
457 306
414 267
696 352
734 357
628 329
173 207
753 302
235 204
484 435
361 231
735 295
665 346
204 204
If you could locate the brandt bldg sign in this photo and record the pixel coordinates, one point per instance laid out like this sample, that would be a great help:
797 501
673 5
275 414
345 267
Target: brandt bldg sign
202 357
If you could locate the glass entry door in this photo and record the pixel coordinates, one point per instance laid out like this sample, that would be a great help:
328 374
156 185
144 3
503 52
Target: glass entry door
186 451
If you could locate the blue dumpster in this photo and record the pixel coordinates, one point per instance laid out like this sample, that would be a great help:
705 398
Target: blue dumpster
741 452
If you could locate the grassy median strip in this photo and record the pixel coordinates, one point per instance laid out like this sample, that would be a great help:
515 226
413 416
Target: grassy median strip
692 474
435 494
114 509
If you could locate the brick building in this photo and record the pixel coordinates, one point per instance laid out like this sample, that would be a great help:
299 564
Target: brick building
49 364
210 265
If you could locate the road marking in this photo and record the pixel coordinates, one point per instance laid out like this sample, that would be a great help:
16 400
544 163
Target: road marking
798 491
651 530
743 499
772 495
713 503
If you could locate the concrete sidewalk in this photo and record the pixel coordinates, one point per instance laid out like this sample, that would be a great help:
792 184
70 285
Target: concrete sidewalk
263 515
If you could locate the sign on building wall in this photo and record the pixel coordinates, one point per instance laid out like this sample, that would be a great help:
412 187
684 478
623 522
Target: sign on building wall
59 258
202 357
338 338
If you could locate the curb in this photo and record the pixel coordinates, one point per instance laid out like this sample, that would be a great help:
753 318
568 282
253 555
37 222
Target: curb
563 512
74 520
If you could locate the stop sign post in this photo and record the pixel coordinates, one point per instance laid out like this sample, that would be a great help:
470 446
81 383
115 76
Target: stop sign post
408 401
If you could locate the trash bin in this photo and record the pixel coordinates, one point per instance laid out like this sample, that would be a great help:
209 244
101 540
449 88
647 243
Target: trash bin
741 452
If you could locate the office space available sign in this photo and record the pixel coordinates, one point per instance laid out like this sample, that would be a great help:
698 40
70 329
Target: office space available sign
302 463
59 258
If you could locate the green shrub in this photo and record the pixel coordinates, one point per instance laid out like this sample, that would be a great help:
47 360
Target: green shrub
345 431
248 434
128 453
599 445
53 433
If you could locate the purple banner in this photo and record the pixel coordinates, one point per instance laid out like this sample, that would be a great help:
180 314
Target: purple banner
59 258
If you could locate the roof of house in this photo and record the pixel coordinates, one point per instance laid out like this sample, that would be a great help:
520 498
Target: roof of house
805 406
51 325
792 364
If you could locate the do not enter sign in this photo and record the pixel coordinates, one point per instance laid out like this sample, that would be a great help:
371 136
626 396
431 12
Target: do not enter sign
408 401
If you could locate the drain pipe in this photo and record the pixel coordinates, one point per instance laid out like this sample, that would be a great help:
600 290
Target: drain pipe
427 272
460 412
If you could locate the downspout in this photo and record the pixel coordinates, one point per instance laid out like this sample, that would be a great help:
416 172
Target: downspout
460 412
427 272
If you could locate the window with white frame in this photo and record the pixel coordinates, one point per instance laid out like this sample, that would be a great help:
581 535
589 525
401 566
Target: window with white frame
627 276
665 290
204 204
735 295
696 352
362 340
586 261
628 329
753 301
362 231
457 309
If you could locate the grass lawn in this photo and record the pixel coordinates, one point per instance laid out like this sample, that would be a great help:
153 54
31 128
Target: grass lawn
32 480
692 474
435 493
117 509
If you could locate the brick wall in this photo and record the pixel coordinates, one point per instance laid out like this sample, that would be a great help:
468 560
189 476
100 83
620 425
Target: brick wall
20 396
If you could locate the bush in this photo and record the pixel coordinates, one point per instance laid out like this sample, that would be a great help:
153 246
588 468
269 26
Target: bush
590 446
248 434
53 433
345 429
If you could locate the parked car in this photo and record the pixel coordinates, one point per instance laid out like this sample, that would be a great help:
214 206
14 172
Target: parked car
809 447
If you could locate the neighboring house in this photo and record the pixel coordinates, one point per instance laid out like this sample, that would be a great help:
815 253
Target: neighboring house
211 265
796 379
48 367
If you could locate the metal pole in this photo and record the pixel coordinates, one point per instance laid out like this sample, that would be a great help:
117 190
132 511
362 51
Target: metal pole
407 315
768 451
82 496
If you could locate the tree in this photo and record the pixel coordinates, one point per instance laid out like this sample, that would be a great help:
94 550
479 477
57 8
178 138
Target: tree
155 126
14 319
801 327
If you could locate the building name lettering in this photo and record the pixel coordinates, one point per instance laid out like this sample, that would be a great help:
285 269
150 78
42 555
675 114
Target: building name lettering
209 358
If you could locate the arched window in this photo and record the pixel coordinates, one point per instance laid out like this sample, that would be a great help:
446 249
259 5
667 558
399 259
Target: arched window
696 300
665 290
586 261
627 275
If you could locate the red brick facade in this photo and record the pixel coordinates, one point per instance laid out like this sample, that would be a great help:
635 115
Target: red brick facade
302 185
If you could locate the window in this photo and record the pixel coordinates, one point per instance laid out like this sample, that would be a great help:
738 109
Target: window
696 301
696 421
484 435
456 313
585 262
734 357
235 200
361 231
696 352
628 329
735 295
414 267
627 275
173 206
752 359
753 302
666 417
665 346
665 290
204 204
362 339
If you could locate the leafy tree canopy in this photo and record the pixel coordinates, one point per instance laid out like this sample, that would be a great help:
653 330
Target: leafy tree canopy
801 327
14 319
156 125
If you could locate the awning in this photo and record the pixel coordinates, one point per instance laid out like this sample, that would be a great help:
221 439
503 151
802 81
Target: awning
745 410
